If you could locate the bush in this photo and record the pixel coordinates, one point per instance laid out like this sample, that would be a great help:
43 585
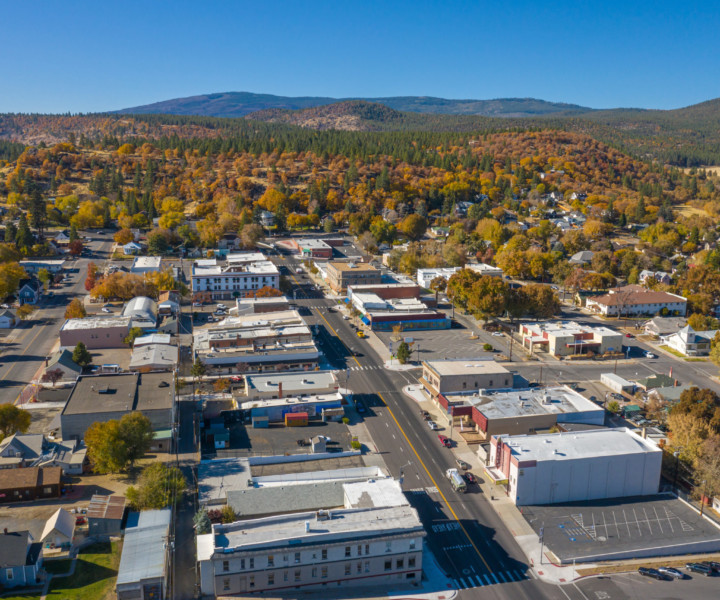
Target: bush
614 406
355 445
487 347
346 421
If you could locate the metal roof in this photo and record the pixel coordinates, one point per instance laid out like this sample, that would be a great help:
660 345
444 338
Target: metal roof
144 549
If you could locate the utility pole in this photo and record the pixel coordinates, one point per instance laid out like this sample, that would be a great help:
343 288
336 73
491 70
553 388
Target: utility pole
512 339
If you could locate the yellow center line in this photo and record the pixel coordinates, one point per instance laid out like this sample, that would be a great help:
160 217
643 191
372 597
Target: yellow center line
445 500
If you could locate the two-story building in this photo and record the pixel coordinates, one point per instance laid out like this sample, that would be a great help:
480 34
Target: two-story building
340 275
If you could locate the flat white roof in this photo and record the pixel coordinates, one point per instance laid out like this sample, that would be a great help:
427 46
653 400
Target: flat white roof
146 262
96 323
298 401
374 493
246 257
568 328
343 524
291 381
462 366
530 401
579 445
312 243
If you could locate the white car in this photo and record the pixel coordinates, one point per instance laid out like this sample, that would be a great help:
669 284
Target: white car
221 307
433 425
497 334
105 309
649 355
346 317
197 303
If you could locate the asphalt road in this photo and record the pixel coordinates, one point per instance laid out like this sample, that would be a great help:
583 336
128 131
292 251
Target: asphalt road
24 350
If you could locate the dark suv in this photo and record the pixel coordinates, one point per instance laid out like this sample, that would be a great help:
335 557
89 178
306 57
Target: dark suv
651 573
698 568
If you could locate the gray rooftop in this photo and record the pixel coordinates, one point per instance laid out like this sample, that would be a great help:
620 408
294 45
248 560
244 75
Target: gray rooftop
255 502
143 553
119 392
345 525
158 355
291 382
217 477
530 401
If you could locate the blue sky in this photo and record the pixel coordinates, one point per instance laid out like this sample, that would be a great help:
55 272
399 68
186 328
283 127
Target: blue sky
95 56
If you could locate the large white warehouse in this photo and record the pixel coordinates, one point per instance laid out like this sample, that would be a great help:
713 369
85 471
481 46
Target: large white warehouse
575 466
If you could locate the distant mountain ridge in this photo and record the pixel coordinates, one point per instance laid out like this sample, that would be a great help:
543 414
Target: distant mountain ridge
240 104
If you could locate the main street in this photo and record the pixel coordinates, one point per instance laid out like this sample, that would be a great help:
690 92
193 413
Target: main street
465 535
25 348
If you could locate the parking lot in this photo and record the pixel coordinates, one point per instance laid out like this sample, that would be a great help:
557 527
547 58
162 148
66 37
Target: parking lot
619 528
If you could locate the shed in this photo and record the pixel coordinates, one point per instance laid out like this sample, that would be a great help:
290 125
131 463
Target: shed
319 444
105 515
59 530
298 419
631 409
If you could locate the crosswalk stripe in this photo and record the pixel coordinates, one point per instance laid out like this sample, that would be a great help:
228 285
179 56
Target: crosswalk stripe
510 575
495 577
479 581
502 576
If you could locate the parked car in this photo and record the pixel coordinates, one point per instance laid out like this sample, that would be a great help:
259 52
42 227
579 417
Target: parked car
650 573
714 566
425 415
105 310
360 407
497 334
699 568
628 335
346 317
462 464
670 572
433 425
649 355
445 441
469 477
197 303
211 319
221 306
236 379
220 312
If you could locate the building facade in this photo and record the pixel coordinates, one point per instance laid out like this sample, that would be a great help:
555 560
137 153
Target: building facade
340 275
234 280
575 466
635 300
95 332
566 338
463 375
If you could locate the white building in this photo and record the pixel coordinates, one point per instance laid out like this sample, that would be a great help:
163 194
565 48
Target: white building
634 300
565 338
425 276
237 279
146 264
484 269
375 539
142 312
689 342
575 466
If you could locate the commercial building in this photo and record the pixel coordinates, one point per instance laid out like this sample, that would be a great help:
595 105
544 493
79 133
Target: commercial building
484 269
146 264
517 412
249 306
312 248
101 398
33 266
153 338
274 410
616 383
30 483
144 564
340 275
295 356
387 291
240 277
565 338
425 276
95 332
576 466
169 303
635 300
409 313
463 375
153 357
689 342
287 385
142 312
376 539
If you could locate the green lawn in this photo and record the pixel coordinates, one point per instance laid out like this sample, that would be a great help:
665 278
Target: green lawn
94 576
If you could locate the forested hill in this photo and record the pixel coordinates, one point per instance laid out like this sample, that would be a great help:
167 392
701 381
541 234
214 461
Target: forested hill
239 104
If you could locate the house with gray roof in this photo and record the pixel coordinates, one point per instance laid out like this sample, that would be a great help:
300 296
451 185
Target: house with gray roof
62 360
7 319
20 559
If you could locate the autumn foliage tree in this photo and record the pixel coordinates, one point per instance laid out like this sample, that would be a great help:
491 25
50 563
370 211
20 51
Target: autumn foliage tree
75 310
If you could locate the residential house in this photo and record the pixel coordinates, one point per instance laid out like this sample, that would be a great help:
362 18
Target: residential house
20 559
21 450
132 248
62 361
583 257
659 276
689 342
7 319
29 290
59 530
31 483
635 300
267 219
662 326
